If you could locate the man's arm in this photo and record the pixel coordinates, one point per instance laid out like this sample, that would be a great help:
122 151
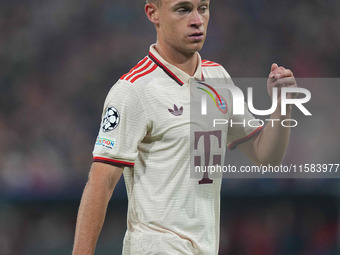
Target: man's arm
270 146
92 210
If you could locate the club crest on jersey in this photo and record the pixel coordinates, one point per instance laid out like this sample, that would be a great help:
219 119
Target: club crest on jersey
110 119
219 100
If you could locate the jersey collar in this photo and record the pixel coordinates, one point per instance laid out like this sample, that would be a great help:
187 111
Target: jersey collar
175 73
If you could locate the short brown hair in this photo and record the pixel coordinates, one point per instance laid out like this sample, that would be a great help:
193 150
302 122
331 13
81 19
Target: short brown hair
156 2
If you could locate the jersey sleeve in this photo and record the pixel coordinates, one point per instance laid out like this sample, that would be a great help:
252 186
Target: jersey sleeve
123 126
241 127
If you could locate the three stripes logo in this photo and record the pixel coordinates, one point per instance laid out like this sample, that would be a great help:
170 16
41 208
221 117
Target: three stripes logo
219 100
144 67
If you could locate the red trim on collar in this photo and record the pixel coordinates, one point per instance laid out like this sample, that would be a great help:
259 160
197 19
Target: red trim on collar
165 69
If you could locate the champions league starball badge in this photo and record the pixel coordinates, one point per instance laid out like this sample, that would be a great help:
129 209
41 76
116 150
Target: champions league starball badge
110 120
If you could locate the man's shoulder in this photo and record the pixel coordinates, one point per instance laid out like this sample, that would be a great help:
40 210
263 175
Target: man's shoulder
142 69
213 69
208 63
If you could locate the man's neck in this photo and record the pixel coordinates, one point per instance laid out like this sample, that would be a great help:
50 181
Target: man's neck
185 62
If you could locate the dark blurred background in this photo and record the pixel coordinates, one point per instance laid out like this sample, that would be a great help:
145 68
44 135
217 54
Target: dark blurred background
58 59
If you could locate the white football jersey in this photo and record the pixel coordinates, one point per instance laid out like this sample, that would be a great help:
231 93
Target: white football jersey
147 127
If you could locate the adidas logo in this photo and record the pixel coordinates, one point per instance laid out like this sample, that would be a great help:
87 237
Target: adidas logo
176 111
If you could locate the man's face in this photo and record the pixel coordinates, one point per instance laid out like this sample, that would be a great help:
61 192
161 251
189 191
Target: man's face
183 24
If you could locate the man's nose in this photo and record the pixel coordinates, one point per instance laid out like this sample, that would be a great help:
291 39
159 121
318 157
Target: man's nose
196 19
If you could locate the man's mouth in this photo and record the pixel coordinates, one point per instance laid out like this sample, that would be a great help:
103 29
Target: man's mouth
198 36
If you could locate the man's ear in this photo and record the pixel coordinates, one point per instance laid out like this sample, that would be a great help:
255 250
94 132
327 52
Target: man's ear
151 11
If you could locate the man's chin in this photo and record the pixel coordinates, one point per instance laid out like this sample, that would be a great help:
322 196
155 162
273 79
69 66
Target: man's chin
196 46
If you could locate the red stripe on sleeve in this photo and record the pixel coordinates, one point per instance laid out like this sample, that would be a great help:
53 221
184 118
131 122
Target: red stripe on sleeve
139 70
234 144
112 161
145 73
204 65
207 63
138 65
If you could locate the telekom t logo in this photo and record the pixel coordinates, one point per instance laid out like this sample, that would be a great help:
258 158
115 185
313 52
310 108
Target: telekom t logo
238 101
217 159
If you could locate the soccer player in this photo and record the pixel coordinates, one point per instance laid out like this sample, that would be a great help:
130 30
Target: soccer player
145 134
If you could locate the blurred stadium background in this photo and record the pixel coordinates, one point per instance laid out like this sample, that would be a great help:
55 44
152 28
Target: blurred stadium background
58 59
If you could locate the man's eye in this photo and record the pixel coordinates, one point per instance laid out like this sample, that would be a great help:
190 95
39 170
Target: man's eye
182 10
203 9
